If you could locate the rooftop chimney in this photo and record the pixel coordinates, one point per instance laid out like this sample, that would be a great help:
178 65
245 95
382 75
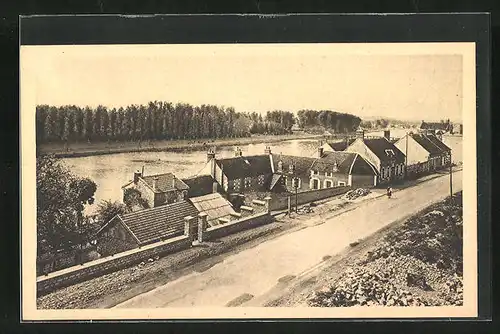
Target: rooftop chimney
173 181
137 175
155 183
320 152
210 155
214 187
387 134
267 150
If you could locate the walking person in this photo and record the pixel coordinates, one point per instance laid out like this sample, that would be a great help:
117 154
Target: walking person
389 192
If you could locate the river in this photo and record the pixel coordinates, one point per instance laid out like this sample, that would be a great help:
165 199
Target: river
111 172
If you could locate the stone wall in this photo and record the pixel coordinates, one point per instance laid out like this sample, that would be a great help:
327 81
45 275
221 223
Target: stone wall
220 231
101 266
281 203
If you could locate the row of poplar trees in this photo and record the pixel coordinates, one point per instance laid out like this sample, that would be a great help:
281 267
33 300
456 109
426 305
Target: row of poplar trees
154 121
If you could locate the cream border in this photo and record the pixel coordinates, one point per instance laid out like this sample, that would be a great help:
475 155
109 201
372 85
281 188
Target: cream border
29 82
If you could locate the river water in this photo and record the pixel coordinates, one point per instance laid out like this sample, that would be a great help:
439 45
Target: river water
112 171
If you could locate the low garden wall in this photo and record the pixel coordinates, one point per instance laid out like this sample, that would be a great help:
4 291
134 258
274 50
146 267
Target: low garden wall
281 202
220 231
101 266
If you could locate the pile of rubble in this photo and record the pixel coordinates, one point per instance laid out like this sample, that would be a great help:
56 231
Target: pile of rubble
420 263
353 194
364 287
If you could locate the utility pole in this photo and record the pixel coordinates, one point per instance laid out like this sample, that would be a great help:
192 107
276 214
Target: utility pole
296 198
406 156
451 181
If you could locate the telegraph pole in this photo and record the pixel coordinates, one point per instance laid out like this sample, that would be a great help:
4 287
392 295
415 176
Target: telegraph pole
451 181
406 156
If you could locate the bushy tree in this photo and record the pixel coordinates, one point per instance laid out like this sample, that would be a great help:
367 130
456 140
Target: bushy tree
108 209
61 199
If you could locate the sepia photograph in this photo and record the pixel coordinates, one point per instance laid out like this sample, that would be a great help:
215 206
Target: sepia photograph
249 180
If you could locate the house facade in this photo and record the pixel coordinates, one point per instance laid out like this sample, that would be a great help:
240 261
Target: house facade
159 189
388 160
240 173
422 155
340 169
287 167
445 151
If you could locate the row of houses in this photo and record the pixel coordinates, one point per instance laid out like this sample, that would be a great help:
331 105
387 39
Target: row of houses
357 162
360 162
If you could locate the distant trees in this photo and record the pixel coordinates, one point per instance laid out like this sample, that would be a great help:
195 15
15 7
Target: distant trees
154 121
336 121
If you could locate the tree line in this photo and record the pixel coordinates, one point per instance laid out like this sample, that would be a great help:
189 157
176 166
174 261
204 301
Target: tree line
332 120
155 121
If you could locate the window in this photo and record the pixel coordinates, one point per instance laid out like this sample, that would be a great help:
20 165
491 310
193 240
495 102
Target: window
261 179
236 185
389 152
248 182
328 183
341 184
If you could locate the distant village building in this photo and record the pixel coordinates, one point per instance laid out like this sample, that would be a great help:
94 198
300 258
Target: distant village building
437 127
158 189
457 128
135 229
387 159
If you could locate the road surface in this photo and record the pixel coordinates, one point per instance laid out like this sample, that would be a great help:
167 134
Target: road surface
255 271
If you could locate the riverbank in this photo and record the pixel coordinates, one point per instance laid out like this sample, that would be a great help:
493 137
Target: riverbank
74 150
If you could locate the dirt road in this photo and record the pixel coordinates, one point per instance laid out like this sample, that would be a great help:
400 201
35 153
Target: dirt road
252 273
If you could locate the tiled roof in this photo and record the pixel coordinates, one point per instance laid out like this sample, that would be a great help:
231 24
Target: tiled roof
379 146
245 166
302 164
199 185
340 145
166 221
164 182
426 144
342 160
214 205
435 140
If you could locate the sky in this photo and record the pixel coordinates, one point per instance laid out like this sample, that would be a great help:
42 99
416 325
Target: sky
369 81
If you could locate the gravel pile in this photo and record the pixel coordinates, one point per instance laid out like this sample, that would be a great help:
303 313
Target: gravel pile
419 264
353 194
